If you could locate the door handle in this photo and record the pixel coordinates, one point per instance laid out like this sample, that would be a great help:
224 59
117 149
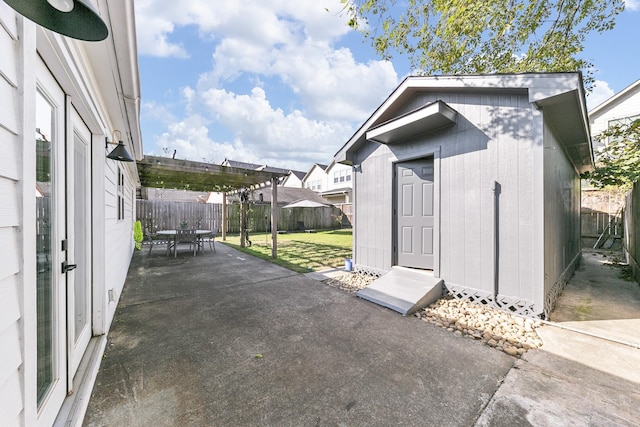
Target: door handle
68 267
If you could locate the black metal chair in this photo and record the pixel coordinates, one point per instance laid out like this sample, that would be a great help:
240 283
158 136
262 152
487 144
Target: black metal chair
189 237
152 239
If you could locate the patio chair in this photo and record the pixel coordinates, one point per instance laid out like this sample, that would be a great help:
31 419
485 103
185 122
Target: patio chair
185 237
209 237
153 239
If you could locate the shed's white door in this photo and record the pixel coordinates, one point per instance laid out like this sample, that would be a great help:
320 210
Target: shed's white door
414 213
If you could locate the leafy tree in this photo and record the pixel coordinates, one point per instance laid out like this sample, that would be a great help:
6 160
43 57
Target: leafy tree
484 36
618 162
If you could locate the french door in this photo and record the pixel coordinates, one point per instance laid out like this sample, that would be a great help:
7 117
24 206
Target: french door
78 201
63 255
50 233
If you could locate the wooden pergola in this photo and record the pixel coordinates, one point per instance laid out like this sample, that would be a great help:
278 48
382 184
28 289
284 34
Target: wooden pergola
164 172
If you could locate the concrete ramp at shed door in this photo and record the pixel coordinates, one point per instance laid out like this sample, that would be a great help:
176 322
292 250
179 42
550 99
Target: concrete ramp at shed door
404 290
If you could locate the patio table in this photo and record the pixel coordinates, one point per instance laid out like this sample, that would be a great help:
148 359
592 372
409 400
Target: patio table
171 234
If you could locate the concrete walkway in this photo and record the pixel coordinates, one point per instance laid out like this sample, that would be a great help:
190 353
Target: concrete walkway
225 339
601 300
587 373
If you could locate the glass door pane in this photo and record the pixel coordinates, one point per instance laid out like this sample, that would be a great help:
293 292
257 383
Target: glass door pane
81 215
78 174
44 244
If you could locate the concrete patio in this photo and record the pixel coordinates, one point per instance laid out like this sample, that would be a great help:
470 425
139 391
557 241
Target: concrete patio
225 339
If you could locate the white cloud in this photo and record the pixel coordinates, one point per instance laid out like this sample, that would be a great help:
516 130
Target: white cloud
151 110
308 94
333 84
261 133
632 4
152 30
265 22
600 93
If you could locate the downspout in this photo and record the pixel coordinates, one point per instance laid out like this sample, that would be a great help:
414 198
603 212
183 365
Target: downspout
354 172
496 241
223 226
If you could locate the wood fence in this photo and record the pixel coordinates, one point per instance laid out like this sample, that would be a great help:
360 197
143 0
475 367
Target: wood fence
593 223
632 236
163 215
347 210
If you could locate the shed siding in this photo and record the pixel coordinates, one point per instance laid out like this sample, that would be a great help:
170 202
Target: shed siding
11 334
561 215
490 141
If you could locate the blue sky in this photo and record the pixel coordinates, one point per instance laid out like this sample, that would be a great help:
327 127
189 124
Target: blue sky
286 83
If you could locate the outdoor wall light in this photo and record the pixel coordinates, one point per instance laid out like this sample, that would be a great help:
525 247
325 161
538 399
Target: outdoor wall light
119 153
72 18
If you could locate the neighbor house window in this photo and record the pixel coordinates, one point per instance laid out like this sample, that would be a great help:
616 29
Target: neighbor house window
314 185
621 122
341 176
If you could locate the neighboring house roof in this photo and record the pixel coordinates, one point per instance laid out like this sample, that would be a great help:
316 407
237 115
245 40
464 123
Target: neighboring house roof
299 174
314 166
293 176
559 95
615 99
341 190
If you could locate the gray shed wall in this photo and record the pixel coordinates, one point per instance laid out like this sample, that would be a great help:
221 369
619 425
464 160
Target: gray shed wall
493 140
561 220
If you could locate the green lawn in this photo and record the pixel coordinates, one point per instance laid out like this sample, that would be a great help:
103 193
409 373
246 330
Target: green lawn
301 252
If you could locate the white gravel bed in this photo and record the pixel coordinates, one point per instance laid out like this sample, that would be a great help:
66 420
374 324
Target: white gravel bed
350 282
501 330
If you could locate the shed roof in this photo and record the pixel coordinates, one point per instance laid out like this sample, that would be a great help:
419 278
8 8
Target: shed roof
164 172
559 95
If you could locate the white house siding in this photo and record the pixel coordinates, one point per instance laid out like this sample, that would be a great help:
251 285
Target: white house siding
626 106
292 181
314 176
11 277
92 95
561 217
620 106
491 141
340 169
119 244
